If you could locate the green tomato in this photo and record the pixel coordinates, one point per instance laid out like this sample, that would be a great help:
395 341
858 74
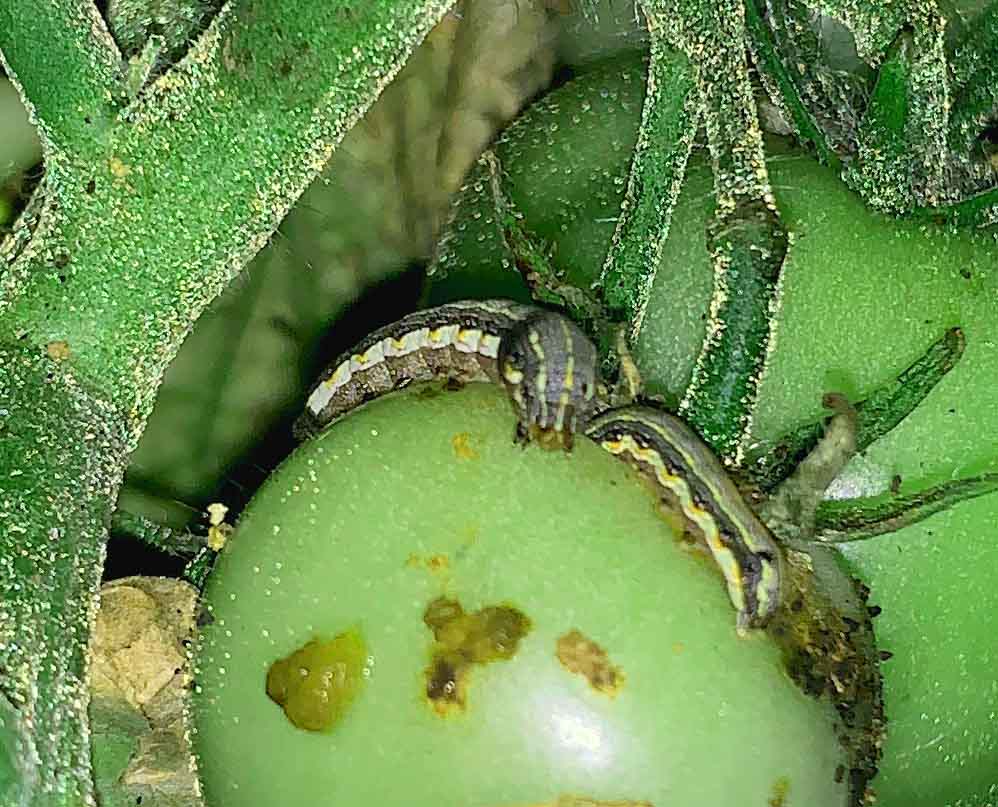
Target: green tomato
6 210
534 631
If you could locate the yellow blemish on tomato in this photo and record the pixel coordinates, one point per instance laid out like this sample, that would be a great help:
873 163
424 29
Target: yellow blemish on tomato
317 683
463 449
432 563
438 563
58 350
779 793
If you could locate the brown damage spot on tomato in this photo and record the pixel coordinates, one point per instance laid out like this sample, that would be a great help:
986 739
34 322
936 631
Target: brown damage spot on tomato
464 640
582 656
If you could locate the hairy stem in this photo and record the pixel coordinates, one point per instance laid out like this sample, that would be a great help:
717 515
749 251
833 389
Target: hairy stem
745 238
64 452
68 69
658 167
783 83
178 543
884 159
922 71
975 70
533 262
189 183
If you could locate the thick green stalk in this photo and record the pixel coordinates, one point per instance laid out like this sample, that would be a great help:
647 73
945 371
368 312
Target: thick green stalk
194 177
69 70
658 167
745 237
138 230
64 451
884 133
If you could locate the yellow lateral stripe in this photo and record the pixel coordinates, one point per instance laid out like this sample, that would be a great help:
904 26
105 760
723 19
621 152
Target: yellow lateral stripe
569 361
512 375
723 556
467 340
373 355
712 478
541 382
569 356
442 336
489 346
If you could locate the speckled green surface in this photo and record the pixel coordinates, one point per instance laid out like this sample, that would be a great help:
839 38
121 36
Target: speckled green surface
144 217
16 772
417 497
863 295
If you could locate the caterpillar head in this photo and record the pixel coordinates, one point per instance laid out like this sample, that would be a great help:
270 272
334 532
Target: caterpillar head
549 368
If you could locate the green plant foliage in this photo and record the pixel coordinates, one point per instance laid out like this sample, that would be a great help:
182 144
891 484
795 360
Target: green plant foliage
371 212
750 280
192 178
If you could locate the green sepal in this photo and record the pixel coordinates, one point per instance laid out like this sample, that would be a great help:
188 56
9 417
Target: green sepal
878 413
844 520
768 62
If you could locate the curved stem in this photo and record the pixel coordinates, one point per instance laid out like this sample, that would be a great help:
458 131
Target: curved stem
668 124
532 259
790 512
745 237
844 520
783 83
878 413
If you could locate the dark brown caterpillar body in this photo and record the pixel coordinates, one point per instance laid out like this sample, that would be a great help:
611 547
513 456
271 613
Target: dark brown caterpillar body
549 364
